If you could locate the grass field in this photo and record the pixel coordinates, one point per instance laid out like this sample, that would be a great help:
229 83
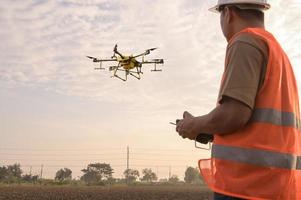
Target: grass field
104 193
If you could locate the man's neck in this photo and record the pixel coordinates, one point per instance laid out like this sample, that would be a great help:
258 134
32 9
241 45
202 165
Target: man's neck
243 25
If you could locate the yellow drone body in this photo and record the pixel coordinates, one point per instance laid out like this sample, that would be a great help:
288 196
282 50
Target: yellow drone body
127 62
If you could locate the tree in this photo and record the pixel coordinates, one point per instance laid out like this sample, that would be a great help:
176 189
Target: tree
131 175
96 172
192 175
174 179
29 178
111 180
148 175
14 170
11 173
3 173
63 174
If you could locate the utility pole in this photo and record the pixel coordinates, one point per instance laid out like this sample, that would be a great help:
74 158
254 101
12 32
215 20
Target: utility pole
169 174
127 158
41 174
127 163
30 170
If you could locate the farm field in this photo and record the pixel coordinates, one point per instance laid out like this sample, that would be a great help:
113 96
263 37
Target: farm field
104 193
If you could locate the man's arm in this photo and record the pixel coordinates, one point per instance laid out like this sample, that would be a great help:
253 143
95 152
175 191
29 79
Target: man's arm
243 76
228 117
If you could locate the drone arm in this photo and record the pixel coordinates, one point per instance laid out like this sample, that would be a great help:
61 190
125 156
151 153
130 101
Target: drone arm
157 61
104 60
108 60
145 53
142 54
100 60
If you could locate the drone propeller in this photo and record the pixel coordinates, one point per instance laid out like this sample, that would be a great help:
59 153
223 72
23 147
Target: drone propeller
116 52
152 49
90 57
93 58
147 51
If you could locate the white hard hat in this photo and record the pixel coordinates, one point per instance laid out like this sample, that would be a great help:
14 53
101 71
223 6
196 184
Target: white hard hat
243 4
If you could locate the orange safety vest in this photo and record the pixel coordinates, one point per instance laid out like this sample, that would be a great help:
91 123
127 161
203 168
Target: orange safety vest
263 159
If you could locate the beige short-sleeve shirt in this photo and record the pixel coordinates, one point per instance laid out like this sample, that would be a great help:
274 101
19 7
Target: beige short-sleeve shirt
245 70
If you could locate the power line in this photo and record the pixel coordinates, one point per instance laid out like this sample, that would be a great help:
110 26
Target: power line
84 160
137 155
26 154
75 150
101 154
98 149
62 166
138 158
156 154
161 149
93 160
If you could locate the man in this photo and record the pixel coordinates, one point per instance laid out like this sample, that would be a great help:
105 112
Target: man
256 151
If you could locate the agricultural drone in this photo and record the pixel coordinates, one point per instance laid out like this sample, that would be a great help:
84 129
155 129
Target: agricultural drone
128 64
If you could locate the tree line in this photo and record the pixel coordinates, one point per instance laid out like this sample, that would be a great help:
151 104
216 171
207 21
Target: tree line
96 174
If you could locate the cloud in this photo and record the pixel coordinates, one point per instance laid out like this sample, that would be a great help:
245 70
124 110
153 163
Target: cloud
45 43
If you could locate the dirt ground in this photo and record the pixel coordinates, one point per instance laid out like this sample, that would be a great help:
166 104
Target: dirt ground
104 193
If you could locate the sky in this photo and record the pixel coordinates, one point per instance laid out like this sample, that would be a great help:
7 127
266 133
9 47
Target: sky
57 111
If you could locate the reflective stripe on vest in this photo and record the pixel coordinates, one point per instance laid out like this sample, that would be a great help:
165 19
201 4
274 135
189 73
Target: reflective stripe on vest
276 117
299 162
256 157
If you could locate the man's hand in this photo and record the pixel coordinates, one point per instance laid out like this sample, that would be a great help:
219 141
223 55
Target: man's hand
187 126
230 116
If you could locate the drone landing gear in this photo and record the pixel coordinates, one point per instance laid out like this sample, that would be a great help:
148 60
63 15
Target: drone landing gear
138 72
135 74
115 75
115 69
156 70
100 67
137 77
120 77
